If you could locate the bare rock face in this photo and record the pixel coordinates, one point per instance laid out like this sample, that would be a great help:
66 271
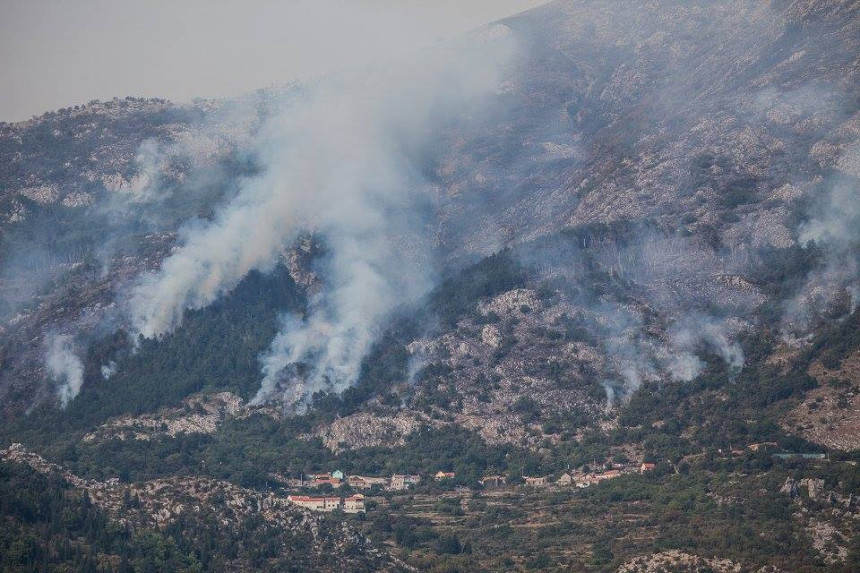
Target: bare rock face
690 100
366 430
827 516
43 194
198 414
830 414
299 260
488 368
680 561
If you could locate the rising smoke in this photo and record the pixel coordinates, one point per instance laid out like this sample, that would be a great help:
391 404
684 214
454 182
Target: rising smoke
834 228
64 367
346 160
694 331
662 275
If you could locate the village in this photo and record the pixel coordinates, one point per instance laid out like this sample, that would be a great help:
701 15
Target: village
355 503
582 478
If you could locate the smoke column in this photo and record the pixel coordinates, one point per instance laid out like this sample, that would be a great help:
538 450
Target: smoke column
345 159
834 227
64 367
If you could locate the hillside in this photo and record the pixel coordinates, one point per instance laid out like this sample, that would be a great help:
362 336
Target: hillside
612 234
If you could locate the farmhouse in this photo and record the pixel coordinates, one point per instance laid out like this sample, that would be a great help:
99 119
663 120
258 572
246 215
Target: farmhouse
565 479
403 481
440 475
315 503
535 481
493 481
354 504
647 467
757 447
318 481
365 482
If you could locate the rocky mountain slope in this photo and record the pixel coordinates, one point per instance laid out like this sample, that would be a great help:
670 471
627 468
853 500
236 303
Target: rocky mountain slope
643 244
303 540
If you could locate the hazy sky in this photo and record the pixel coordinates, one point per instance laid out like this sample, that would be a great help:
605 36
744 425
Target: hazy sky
57 53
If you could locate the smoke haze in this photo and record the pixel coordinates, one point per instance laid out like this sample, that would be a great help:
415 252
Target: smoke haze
64 367
345 159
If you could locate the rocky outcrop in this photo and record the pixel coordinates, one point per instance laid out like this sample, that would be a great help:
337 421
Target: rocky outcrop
198 414
827 517
158 503
367 430
830 414
681 562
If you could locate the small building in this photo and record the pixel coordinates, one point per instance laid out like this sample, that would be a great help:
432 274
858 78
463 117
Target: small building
364 482
800 456
440 475
757 447
647 467
358 482
315 503
320 481
535 481
337 474
354 504
493 481
403 481
565 479
608 475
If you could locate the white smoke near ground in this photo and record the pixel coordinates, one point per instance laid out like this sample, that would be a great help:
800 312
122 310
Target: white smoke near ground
637 357
366 276
854 293
611 389
190 157
629 352
109 369
64 367
346 161
694 331
673 278
834 227
685 366
151 165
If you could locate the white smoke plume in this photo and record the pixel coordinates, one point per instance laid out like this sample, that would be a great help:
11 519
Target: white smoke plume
109 369
836 224
610 387
834 228
344 160
64 366
693 331
854 293
150 161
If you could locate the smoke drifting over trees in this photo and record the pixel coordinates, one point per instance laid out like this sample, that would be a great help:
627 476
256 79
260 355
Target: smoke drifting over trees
64 367
344 158
833 227
701 203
